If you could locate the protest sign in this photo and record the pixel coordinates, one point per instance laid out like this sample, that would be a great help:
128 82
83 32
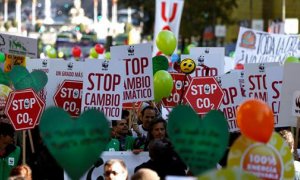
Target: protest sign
103 86
167 17
289 87
131 160
232 98
209 61
274 77
255 80
62 70
262 47
138 77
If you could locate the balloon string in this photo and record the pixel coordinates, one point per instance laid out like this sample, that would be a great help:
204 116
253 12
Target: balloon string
182 90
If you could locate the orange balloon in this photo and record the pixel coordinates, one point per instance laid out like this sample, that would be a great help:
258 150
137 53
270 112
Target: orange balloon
255 120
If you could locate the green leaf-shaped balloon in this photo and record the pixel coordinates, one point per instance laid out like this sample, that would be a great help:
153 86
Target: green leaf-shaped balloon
22 79
4 78
160 63
75 143
201 143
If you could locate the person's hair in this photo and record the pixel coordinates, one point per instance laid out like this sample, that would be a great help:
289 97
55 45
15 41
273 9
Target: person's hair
7 130
113 161
125 113
23 171
151 127
160 150
289 139
114 123
145 174
145 108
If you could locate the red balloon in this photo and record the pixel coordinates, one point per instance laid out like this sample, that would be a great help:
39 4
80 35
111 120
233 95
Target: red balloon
76 51
239 66
99 48
255 120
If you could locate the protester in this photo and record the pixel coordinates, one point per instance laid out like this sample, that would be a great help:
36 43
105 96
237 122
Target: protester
120 141
22 171
163 159
115 169
9 152
145 174
147 115
289 139
157 130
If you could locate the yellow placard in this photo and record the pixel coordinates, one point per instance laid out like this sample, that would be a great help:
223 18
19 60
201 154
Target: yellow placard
11 60
273 160
4 92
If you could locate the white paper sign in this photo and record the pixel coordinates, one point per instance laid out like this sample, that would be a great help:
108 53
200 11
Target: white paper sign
62 70
103 87
209 61
274 77
290 85
131 160
296 104
43 65
255 80
232 98
167 17
138 78
262 47
18 45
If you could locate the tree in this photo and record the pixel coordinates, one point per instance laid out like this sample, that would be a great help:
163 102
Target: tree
196 15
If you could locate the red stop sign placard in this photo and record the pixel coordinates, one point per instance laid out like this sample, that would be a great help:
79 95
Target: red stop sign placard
24 109
68 96
204 94
137 105
180 84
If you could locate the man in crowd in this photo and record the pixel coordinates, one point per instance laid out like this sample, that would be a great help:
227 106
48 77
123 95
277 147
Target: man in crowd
115 169
147 115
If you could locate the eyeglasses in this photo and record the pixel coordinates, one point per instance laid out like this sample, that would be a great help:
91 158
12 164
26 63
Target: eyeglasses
108 173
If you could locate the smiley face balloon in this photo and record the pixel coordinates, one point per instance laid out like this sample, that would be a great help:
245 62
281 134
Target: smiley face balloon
187 66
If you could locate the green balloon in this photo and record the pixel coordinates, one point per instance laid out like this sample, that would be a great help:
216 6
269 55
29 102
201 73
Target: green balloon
200 143
93 53
4 78
160 63
163 84
232 54
51 53
188 48
2 57
107 55
166 42
75 143
291 59
18 73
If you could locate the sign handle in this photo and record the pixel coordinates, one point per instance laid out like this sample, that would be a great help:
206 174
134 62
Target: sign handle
297 133
31 141
24 147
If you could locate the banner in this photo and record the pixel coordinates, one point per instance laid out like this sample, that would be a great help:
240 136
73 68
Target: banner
262 47
103 86
167 17
138 79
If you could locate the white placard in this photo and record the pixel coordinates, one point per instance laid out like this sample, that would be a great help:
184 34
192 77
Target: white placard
18 45
274 77
138 78
43 65
62 70
167 17
131 160
255 80
232 97
262 47
291 76
103 87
